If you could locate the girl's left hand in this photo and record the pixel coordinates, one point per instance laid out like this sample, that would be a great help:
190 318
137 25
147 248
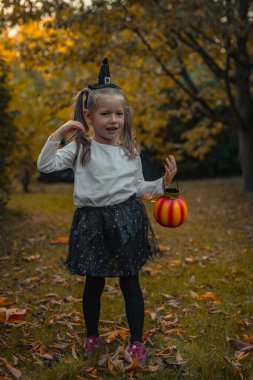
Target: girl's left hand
170 170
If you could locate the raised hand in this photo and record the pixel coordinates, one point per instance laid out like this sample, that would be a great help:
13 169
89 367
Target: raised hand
70 126
170 170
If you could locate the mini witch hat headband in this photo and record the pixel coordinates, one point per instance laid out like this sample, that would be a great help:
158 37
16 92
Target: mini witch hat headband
104 78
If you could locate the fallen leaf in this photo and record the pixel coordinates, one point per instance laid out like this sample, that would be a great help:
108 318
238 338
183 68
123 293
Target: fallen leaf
111 290
118 365
45 356
241 355
177 331
192 260
174 366
11 315
111 336
73 351
102 362
134 365
3 301
27 281
51 295
58 279
235 366
169 317
244 322
174 262
32 257
237 344
154 368
37 360
171 300
248 338
123 333
32 342
14 371
60 240
59 346
164 248
71 299
161 308
148 334
194 294
208 296
111 367
76 336
179 357
149 270
15 360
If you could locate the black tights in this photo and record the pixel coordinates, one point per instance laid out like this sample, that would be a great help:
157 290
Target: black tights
134 304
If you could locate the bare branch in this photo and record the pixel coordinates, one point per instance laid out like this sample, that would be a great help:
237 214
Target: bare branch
203 35
187 77
214 67
231 98
189 91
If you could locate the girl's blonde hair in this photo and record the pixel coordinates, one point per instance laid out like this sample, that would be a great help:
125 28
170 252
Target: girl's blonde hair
88 99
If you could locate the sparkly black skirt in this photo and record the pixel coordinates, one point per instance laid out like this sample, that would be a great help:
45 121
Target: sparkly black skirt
109 241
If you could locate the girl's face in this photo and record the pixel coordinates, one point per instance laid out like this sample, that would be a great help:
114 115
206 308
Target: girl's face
107 119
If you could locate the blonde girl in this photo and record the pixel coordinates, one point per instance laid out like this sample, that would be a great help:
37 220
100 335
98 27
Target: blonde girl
110 235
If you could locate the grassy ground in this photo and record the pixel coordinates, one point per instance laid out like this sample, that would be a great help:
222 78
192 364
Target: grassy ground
198 294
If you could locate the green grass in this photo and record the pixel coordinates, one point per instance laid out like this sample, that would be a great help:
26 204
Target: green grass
214 253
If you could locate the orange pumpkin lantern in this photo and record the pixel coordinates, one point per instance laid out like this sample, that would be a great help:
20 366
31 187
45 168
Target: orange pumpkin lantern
170 209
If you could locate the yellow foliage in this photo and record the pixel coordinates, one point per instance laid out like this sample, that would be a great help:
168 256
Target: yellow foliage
49 65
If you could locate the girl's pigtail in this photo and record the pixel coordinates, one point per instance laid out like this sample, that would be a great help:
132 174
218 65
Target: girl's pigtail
127 138
80 103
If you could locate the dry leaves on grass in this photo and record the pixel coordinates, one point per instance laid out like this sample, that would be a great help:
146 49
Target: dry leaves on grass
68 319
167 358
243 350
119 362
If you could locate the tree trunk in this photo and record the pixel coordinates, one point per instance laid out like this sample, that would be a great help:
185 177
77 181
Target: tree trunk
246 157
26 173
26 180
244 99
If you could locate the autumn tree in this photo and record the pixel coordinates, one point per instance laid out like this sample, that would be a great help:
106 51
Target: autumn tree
7 132
41 86
200 54
205 49
176 60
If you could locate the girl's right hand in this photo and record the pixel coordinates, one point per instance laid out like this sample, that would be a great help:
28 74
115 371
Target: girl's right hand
70 126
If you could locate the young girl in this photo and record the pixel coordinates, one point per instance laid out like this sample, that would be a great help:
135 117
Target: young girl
110 234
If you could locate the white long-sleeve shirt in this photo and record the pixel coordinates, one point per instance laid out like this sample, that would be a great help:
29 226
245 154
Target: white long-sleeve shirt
108 178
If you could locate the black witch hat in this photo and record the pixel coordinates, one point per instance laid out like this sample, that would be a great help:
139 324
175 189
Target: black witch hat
104 78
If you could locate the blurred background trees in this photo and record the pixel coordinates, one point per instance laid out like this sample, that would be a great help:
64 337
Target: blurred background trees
186 68
7 133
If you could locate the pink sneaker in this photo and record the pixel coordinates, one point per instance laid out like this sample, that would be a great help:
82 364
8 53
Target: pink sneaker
138 349
92 343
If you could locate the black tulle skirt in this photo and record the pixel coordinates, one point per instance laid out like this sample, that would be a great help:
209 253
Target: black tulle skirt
109 241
